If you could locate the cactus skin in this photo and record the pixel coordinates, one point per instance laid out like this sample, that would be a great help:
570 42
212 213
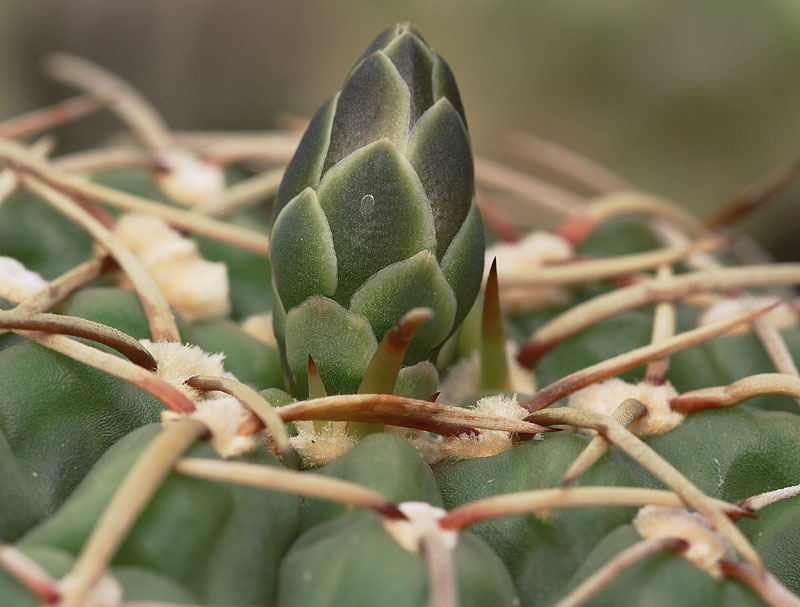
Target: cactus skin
199 534
376 215
54 430
541 552
88 409
138 583
663 580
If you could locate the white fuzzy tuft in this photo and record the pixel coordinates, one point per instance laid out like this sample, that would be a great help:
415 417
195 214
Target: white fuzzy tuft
706 547
604 397
259 326
178 362
463 379
222 413
319 448
190 181
17 282
195 287
428 445
422 520
782 316
107 592
486 442
521 259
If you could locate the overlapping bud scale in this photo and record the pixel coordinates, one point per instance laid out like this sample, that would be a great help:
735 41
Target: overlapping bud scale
376 215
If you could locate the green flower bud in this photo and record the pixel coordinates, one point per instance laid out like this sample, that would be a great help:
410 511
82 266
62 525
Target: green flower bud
376 215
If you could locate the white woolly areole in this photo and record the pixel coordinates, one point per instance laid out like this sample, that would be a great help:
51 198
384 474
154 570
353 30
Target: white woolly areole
604 397
486 442
706 547
782 316
107 592
178 362
317 448
222 413
190 181
463 379
428 445
423 520
195 287
521 258
17 282
259 326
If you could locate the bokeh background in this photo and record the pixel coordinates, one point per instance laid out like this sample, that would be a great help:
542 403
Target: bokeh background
690 99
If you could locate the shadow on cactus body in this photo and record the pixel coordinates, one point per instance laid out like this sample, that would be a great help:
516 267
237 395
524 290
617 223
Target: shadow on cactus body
376 215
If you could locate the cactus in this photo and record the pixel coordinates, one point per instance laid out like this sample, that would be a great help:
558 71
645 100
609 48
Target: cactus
168 436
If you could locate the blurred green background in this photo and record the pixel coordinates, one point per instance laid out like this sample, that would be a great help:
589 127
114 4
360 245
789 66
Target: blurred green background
689 99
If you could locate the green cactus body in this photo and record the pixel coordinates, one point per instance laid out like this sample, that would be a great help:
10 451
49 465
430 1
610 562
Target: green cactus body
376 215
40 238
201 535
527 544
671 580
710 363
137 583
88 409
541 551
250 360
52 434
357 563
401 475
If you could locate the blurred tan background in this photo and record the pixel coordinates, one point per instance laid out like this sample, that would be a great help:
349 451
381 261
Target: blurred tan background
690 99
